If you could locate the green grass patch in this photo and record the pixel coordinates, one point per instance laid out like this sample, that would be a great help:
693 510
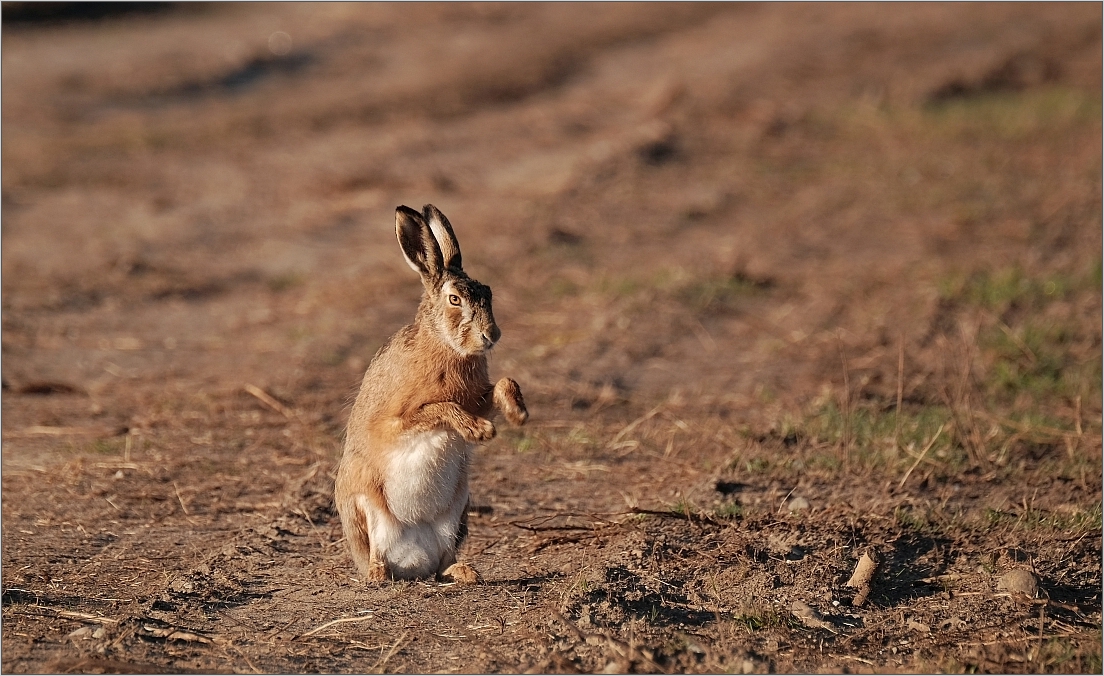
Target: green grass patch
720 294
1044 356
708 294
927 440
1039 359
526 444
521 440
1031 520
754 465
1075 521
911 519
876 438
757 618
729 510
684 508
1017 115
999 290
106 446
563 288
619 287
285 281
578 436
1066 655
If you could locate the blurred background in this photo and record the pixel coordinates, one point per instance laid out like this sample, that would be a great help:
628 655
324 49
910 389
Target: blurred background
663 196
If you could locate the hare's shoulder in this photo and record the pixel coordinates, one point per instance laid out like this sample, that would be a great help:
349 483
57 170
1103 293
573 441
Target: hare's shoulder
398 343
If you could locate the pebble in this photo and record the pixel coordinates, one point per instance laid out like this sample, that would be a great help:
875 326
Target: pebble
80 632
798 504
1019 581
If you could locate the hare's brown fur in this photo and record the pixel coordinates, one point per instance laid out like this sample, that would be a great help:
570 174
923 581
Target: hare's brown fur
402 484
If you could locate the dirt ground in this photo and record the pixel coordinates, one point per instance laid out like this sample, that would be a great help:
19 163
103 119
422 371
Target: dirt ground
784 285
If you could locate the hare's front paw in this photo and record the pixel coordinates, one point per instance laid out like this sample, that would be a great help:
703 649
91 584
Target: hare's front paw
507 396
476 430
460 573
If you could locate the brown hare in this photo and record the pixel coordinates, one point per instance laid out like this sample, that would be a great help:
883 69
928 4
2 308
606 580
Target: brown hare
426 400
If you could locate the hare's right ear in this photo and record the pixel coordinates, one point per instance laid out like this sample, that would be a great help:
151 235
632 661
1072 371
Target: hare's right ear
418 245
446 238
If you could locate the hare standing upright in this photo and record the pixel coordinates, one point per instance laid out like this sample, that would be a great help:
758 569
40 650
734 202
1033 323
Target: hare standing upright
402 485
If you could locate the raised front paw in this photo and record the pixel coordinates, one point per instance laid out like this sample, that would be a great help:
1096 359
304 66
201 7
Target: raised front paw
476 430
508 399
460 573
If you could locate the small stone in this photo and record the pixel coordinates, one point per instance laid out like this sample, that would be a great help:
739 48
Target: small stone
81 632
1019 581
99 633
810 617
798 504
747 667
182 586
953 623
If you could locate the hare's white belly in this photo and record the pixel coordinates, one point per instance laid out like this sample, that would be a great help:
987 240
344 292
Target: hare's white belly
426 487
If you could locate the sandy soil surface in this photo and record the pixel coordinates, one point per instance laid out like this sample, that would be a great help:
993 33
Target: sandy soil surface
784 285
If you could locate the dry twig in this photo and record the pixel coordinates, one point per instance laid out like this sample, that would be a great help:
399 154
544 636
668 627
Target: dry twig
180 499
267 399
382 662
921 456
632 426
83 617
340 620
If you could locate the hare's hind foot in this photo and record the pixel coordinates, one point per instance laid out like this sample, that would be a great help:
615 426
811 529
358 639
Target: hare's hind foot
461 573
377 572
508 399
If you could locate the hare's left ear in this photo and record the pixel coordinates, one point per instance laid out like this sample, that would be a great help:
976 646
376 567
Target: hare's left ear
446 238
418 245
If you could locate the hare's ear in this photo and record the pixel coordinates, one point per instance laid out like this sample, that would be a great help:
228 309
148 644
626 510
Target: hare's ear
418 245
446 238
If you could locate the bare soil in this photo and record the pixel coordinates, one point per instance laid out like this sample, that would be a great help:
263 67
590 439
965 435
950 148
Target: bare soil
783 285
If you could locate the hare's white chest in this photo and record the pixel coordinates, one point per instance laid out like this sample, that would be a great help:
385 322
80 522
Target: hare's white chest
423 476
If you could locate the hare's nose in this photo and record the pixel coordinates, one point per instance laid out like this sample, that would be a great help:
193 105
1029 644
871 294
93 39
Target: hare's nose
491 336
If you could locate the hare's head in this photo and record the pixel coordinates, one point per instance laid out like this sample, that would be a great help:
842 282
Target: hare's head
457 306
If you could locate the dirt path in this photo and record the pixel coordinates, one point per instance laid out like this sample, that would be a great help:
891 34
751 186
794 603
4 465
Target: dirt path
783 285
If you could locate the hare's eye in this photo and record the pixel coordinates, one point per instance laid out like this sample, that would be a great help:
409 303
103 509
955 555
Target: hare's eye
454 299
